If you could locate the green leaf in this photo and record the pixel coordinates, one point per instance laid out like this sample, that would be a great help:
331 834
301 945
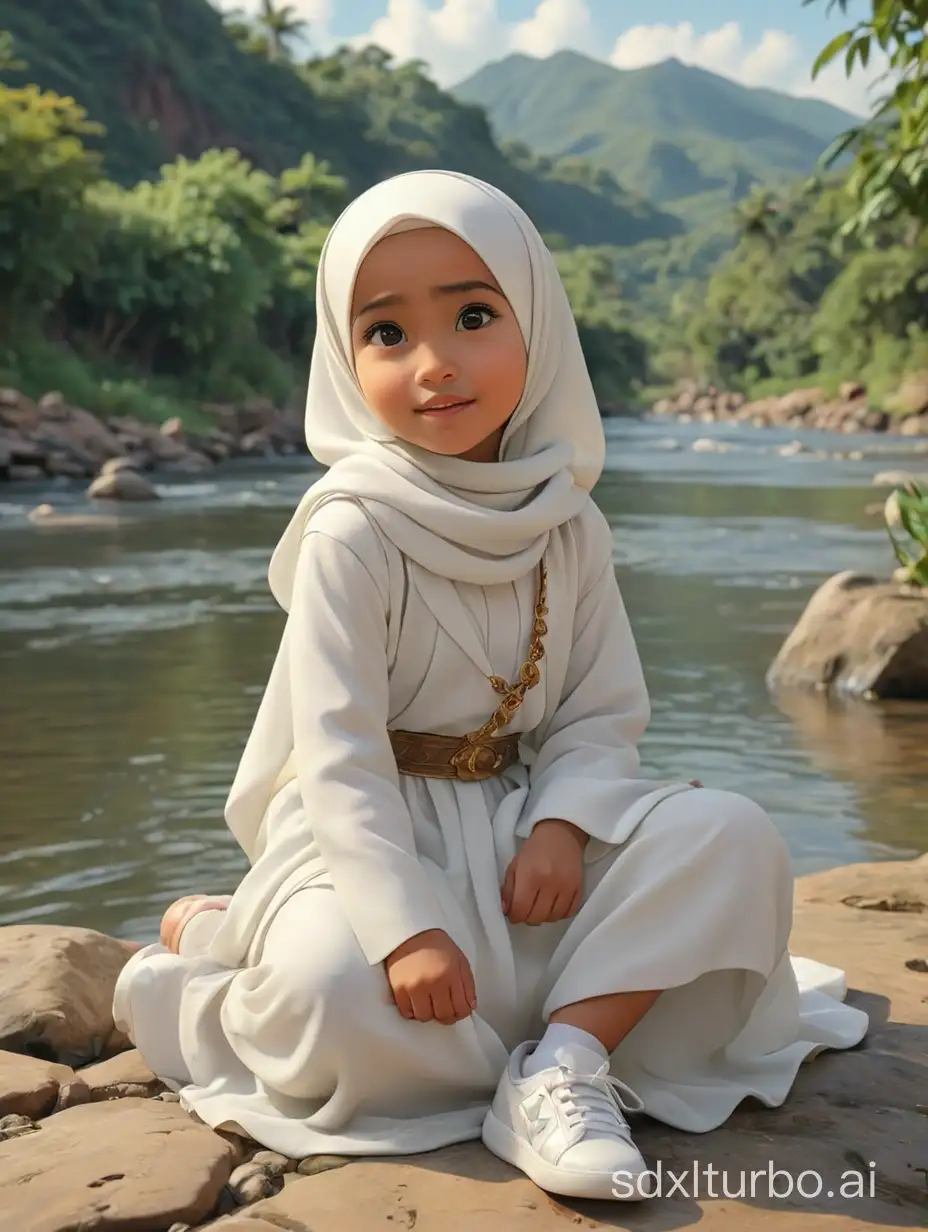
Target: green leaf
837 45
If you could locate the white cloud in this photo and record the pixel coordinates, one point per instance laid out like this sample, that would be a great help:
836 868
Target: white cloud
461 35
776 60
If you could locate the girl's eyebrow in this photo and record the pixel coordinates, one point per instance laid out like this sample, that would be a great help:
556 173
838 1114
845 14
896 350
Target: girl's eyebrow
450 288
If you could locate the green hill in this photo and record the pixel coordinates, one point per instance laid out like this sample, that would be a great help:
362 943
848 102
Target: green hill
166 77
683 137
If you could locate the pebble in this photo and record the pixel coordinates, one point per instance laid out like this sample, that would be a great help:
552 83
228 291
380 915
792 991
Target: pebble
792 449
251 1183
272 1163
14 1126
321 1163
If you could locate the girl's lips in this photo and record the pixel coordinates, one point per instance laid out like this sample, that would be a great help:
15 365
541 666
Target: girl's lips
446 408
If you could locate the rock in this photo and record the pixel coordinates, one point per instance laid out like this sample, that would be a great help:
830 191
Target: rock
272 1163
898 479
24 473
850 390
858 636
52 400
708 445
15 1125
121 1077
255 445
113 466
136 1164
249 1183
321 1163
56 992
915 425
792 449
121 485
67 465
911 398
29 1087
173 428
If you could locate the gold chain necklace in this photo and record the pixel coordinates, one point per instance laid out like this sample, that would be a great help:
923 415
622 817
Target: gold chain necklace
475 755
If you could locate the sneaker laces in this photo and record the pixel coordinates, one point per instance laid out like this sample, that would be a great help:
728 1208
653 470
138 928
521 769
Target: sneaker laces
595 1103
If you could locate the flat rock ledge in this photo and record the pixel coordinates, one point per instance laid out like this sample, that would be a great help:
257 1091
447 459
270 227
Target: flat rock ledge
91 1142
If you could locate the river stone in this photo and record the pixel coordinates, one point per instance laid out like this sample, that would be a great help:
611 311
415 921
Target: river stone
136 1164
124 485
29 1087
858 636
121 1077
56 992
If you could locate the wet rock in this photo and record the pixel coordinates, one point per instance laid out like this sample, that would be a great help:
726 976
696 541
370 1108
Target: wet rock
898 479
858 636
708 445
23 473
56 992
792 449
28 1087
121 1077
124 485
136 1164
112 466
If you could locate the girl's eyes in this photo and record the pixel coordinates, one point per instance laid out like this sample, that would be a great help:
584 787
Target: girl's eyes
471 318
472 313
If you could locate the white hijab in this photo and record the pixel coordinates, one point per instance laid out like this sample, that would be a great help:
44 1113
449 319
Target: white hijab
467 521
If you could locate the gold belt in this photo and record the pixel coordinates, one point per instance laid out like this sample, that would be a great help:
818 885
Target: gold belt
481 754
428 756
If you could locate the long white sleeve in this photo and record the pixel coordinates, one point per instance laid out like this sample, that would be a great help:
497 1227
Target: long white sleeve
586 768
345 764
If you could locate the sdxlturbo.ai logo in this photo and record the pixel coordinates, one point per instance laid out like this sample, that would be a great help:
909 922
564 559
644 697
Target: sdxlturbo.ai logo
707 1181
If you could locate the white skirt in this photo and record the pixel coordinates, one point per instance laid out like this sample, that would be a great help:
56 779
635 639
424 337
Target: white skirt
304 1051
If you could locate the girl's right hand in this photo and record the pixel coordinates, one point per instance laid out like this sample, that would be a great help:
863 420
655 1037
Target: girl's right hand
431 979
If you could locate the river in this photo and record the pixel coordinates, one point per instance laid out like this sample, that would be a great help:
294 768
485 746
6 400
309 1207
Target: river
133 655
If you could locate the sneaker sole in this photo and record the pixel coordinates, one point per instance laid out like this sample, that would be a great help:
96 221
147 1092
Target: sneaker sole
509 1147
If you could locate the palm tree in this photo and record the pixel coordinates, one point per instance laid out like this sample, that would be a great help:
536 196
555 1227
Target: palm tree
279 24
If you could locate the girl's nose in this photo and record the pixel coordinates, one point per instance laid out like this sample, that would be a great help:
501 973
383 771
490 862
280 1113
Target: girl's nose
434 367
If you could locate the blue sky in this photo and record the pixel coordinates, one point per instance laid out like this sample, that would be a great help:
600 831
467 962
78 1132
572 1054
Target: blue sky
772 45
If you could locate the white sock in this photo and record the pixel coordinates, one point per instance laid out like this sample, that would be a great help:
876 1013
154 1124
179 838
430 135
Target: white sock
565 1045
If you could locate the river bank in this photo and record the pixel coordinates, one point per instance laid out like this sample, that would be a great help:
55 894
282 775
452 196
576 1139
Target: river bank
49 438
851 411
89 1138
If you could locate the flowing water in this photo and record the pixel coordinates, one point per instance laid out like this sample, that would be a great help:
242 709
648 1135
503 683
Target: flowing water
133 653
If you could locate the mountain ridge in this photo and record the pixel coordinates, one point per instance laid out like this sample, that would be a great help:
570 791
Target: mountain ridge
669 131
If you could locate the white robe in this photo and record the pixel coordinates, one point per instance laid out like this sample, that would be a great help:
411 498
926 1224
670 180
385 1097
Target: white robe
281 1021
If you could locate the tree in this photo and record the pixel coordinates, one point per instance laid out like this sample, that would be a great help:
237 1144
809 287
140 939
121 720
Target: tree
889 179
45 170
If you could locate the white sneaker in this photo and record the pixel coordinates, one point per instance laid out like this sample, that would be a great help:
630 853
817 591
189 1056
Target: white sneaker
566 1131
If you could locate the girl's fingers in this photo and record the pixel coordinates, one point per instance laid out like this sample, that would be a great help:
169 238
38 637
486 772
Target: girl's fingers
470 988
458 998
543 907
523 902
403 1003
422 1006
443 1009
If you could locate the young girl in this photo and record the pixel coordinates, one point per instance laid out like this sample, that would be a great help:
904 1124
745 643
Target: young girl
465 911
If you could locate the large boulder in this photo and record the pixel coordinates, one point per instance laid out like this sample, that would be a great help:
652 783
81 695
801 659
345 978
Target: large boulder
858 636
56 992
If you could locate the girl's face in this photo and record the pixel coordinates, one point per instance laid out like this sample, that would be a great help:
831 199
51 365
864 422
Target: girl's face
437 349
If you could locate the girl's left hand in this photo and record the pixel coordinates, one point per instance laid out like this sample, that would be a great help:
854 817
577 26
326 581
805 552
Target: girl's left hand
544 880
